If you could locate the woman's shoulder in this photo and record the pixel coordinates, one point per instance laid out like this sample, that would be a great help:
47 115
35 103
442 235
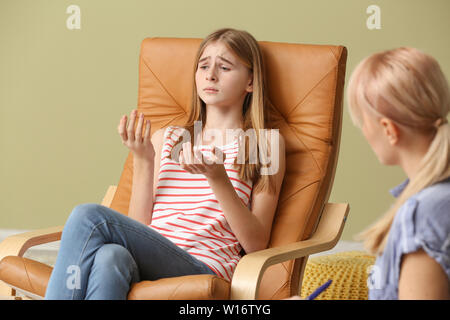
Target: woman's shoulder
434 202
425 217
432 222
431 218
423 222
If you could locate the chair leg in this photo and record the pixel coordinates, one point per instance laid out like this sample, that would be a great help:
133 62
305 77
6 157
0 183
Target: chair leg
6 292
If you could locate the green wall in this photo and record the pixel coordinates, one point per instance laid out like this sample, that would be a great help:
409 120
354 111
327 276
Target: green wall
63 91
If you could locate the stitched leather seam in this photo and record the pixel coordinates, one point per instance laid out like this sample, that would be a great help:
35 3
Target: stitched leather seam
306 95
306 147
303 188
174 291
160 82
336 57
28 276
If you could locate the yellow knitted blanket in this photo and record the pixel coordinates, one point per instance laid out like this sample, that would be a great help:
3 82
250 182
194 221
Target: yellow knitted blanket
347 270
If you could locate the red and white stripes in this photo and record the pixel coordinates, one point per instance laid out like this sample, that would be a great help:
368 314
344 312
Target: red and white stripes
187 213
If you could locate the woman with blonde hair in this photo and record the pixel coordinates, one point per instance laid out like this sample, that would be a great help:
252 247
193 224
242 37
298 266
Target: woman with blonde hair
400 99
190 211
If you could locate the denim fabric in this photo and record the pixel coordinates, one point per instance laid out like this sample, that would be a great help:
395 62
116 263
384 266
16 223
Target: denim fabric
422 222
103 252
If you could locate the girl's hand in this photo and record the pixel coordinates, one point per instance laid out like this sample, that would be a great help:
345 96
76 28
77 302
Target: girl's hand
141 146
196 163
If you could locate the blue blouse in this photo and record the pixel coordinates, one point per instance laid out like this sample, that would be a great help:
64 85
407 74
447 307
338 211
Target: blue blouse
422 222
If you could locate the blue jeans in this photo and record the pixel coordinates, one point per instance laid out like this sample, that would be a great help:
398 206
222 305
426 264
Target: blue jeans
103 252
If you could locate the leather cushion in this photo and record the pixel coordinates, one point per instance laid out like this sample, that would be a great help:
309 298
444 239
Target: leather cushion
26 274
33 276
194 287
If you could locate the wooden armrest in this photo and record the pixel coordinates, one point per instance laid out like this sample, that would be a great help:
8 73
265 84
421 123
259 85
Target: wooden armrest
17 244
251 267
108 198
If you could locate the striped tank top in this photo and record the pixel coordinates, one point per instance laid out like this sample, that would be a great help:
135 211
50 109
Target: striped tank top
187 212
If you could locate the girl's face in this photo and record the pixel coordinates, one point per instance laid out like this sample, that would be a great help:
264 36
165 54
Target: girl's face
219 69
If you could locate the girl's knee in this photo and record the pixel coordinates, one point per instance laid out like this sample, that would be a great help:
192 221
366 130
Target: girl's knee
117 259
113 254
84 213
112 272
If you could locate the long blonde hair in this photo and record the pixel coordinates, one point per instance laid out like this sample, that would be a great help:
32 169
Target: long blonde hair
408 87
256 107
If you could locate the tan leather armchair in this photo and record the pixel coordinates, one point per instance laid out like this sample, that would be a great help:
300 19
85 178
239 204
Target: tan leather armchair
306 88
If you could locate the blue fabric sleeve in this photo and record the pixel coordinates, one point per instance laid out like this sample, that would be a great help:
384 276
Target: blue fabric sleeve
428 228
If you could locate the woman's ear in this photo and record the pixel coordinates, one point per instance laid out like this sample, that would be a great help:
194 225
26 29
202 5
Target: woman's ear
390 130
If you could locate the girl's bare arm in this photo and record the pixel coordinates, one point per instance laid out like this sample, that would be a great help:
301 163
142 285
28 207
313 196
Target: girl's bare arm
146 157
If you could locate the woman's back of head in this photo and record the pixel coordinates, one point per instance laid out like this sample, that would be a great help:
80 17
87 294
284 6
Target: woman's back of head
408 87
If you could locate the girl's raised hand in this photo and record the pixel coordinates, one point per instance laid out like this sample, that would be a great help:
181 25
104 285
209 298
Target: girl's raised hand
139 144
195 162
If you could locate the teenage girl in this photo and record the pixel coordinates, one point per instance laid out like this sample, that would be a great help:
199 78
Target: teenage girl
400 99
189 212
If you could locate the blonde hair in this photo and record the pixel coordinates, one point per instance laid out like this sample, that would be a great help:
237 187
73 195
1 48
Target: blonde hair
256 107
408 87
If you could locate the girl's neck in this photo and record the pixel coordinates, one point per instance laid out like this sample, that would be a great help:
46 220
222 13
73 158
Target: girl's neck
222 121
216 137
217 124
